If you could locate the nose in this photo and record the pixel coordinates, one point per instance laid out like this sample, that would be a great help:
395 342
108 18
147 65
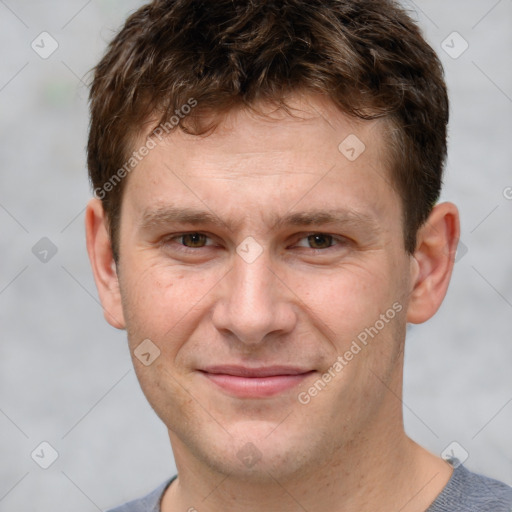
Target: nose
254 304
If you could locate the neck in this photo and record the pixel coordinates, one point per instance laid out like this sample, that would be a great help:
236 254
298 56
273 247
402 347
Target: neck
387 472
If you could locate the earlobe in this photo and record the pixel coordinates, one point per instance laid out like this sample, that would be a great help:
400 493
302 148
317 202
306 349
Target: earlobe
103 265
433 261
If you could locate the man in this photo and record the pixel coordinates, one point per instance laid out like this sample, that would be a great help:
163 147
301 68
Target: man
265 225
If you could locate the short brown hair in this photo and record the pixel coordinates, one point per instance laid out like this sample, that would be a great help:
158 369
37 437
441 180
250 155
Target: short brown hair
367 56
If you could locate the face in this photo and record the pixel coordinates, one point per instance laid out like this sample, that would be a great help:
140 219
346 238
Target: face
267 267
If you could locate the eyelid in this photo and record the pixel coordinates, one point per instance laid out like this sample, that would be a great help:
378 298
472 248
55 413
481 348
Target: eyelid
173 237
340 240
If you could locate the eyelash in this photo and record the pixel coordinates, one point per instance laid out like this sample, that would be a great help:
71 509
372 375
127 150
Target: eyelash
335 240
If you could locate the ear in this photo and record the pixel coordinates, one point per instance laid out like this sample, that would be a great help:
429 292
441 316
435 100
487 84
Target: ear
433 262
102 262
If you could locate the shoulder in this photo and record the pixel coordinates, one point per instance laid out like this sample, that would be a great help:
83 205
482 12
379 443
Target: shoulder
470 492
148 503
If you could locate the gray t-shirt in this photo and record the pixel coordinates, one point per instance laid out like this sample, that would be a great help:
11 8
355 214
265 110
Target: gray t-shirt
464 492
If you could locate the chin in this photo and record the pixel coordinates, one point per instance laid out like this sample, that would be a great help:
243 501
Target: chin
257 452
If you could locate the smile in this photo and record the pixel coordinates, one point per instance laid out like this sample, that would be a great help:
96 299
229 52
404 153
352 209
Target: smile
255 382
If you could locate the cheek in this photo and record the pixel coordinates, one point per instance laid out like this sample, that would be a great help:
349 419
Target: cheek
348 298
160 302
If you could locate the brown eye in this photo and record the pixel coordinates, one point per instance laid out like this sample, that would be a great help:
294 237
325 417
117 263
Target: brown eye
193 240
320 241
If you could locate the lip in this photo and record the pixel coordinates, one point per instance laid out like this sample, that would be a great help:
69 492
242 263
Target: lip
244 382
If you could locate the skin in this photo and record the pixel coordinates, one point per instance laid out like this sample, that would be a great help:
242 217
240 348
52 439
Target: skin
301 302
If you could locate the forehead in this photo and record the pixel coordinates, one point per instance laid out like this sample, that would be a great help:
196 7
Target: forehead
268 161
312 125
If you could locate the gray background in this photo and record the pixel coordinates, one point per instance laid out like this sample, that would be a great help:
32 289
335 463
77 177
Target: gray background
66 376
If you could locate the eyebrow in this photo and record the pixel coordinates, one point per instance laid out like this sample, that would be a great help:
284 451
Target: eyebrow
338 216
168 215
153 218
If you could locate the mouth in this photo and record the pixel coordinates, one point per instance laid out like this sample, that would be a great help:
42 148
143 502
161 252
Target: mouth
244 382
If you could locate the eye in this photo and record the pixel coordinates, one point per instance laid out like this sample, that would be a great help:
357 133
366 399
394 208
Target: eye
189 241
193 240
320 241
